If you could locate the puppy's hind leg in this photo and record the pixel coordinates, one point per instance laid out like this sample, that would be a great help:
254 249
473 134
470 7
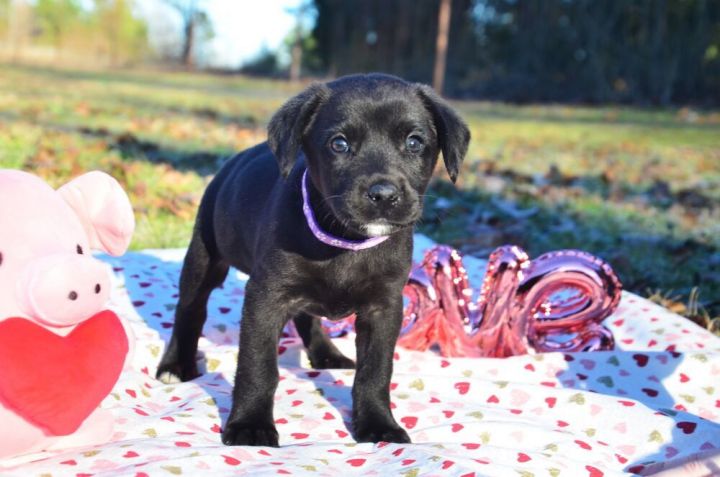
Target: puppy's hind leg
321 350
201 273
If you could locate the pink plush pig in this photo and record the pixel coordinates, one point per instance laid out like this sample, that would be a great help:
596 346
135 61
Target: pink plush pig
61 351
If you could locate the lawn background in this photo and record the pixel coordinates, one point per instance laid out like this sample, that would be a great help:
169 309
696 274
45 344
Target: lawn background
638 187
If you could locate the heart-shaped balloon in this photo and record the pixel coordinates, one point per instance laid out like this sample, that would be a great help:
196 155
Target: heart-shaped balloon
556 302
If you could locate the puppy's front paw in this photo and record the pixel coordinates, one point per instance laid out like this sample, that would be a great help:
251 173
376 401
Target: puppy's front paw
242 434
173 370
378 433
331 361
173 373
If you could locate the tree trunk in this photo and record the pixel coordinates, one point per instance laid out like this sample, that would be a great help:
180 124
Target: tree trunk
188 42
296 58
441 45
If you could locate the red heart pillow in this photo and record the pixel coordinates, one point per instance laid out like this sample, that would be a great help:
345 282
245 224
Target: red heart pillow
56 382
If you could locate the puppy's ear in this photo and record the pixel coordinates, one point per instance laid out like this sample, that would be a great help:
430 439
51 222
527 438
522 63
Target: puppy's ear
288 125
452 132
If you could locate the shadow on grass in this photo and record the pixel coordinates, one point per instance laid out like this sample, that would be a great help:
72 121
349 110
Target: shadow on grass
664 121
644 256
247 120
158 79
132 147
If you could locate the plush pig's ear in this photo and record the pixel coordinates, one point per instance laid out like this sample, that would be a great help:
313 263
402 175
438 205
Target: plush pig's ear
104 210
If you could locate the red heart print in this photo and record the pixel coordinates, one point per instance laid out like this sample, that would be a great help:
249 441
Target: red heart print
641 359
686 427
594 471
583 444
650 392
409 421
231 460
462 387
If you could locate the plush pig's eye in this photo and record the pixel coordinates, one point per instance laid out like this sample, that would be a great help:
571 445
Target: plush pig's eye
1 258
79 250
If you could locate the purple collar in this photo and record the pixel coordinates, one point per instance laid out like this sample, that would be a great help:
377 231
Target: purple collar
327 238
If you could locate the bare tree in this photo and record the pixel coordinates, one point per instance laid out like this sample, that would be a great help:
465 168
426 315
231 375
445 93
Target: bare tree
441 45
20 26
192 17
302 15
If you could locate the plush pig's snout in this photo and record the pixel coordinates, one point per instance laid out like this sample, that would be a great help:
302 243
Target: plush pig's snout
63 290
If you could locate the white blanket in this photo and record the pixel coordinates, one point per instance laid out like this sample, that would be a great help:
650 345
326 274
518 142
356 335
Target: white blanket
654 400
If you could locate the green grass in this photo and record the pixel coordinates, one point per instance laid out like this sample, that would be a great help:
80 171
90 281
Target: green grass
641 188
160 133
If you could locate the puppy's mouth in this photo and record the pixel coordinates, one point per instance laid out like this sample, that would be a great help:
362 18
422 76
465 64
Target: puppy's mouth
378 228
370 223
381 226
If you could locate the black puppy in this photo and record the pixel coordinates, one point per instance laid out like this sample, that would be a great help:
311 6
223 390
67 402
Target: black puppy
369 144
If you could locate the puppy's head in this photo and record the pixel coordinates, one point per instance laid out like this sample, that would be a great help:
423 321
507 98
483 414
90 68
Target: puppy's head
371 143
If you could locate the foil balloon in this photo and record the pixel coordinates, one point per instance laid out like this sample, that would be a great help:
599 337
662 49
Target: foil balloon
556 302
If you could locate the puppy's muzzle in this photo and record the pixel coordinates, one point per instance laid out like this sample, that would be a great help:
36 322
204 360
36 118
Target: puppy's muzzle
382 204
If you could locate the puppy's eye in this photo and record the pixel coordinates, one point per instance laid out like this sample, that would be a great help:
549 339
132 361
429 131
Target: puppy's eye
339 145
414 144
79 250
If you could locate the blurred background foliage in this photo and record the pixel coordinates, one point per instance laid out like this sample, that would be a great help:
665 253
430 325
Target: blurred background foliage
639 51
105 29
658 52
593 122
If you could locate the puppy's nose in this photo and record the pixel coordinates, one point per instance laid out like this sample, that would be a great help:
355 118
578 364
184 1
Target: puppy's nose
383 193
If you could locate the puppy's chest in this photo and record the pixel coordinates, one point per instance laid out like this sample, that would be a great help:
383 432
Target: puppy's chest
336 294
